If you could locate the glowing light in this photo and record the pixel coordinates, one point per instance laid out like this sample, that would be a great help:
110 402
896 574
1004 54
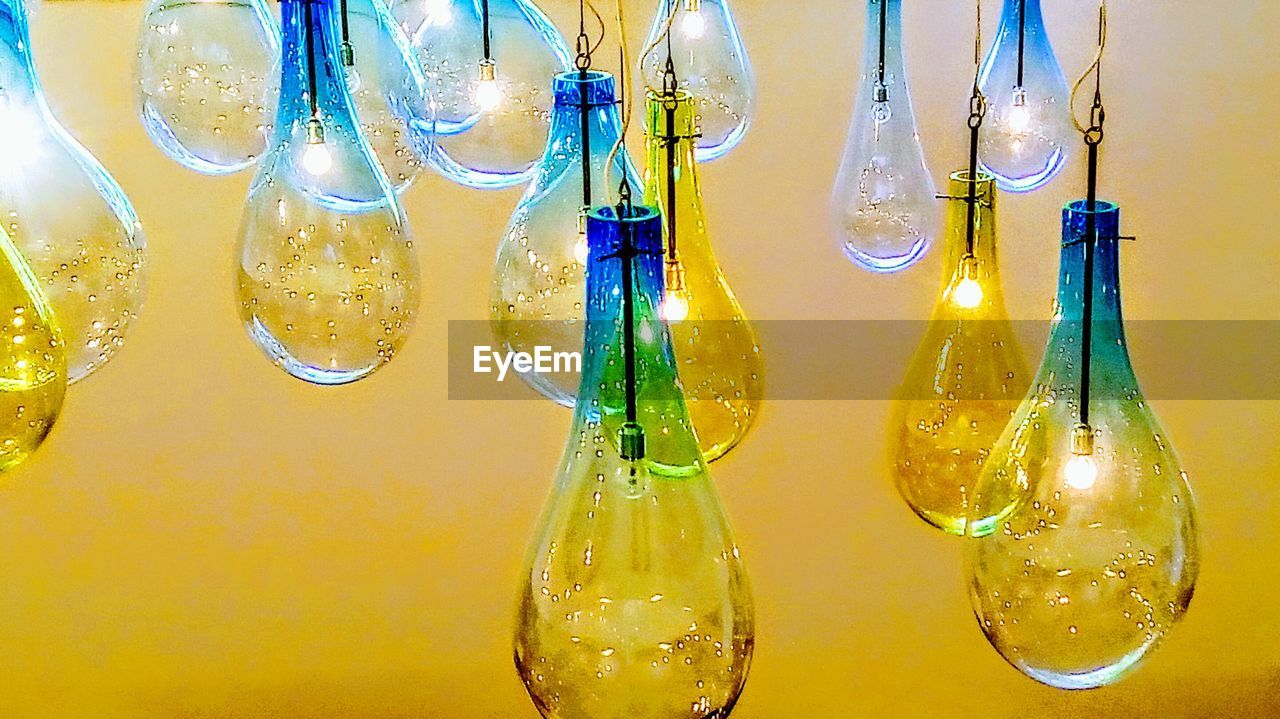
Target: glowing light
694 25
967 294
1081 472
488 95
20 131
317 159
1019 115
675 307
580 250
353 79
439 13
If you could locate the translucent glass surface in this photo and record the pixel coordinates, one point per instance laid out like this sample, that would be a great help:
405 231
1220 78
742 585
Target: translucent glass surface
1028 131
634 602
33 366
391 94
481 145
207 74
538 292
1075 575
327 275
967 376
65 213
883 209
711 64
717 353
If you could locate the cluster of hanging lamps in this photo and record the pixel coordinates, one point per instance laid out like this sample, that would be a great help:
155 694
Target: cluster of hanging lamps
1082 549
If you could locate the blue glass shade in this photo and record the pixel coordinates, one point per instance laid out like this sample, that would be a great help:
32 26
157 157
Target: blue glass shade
1086 551
538 287
1028 133
65 212
479 146
633 548
207 75
884 210
327 271
390 92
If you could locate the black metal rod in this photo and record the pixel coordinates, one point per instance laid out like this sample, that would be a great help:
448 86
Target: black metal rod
1022 36
972 199
627 253
1086 318
672 141
346 23
585 114
310 42
484 21
884 31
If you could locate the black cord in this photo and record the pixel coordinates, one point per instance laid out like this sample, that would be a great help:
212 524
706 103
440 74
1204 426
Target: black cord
977 112
484 14
309 35
348 54
1022 36
884 31
583 63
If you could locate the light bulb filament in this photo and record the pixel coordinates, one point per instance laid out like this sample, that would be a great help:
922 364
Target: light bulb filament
1019 114
968 293
1081 471
693 25
488 95
317 159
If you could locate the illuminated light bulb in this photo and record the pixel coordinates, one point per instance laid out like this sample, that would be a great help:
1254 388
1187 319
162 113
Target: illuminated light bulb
66 214
711 64
1086 551
719 357
967 374
884 212
488 94
1026 141
327 275
634 602
487 139
206 76
538 287
391 93
693 24
33 361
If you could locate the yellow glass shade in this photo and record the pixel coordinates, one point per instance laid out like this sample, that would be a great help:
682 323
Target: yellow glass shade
716 349
33 364
967 376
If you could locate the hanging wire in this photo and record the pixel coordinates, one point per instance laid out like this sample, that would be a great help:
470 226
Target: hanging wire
1094 68
310 41
583 63
664 34
484 28
1022 38
626 101
881 89
977 113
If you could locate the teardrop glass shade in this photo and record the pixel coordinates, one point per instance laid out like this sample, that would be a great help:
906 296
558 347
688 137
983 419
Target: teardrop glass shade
391 94
65 213
33 363
480 146
207 76
884 206
718 355
1076 575
711 64
538 293
327 275
1028 132
967 377
634 602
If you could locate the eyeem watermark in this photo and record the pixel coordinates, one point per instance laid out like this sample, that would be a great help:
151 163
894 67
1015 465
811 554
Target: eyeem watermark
542 360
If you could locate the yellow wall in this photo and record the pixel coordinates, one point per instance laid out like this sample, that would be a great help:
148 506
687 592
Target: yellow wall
205 537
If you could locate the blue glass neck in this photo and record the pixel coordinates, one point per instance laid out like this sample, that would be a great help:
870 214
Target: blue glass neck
1012 15
332 96
17 70
1110 352
892 16
603 124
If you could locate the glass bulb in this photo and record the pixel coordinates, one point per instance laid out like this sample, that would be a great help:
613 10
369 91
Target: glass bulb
721 367
884 206
1086 551
391 95
711 64
966 377
538 289
488 135
33 365
65 213
206 80
327 275
634 602
1028 134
